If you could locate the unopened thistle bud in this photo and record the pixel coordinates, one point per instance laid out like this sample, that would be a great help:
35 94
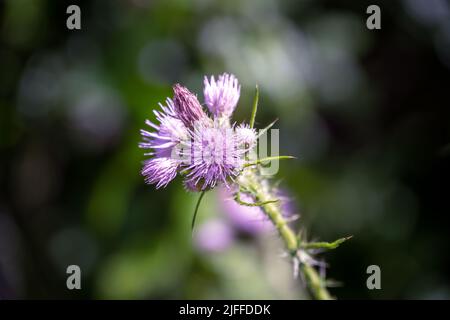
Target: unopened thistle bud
187 106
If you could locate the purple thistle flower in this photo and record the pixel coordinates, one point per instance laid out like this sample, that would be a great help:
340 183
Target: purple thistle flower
209 151
170 132
187 106
214 155
221 96
160 171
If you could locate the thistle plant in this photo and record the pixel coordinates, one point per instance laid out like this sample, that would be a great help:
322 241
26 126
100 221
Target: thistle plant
207 149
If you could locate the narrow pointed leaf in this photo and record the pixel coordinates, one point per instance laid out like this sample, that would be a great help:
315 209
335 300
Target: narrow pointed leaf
267 159
326 245
255 107
262 131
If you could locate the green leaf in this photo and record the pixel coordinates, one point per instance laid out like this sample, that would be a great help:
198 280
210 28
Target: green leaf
255 107
267 159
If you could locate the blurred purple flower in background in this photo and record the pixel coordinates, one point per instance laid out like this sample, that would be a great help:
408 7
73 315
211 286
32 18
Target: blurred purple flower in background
247 219
252 220
218 234
214 236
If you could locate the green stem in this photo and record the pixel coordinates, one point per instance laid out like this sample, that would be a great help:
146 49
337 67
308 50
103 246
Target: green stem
196 211
316 283
250 181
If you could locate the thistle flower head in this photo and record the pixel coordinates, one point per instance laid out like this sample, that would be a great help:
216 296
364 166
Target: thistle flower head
207 151
160 171
214 154
187 106
221 96
169 133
